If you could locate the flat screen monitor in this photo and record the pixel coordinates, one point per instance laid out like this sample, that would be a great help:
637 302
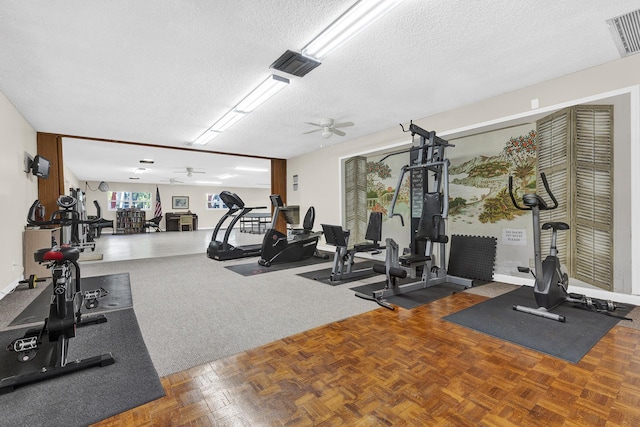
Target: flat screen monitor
40 167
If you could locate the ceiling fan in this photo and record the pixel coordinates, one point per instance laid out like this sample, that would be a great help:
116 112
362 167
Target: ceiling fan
172 181
328 127
189 171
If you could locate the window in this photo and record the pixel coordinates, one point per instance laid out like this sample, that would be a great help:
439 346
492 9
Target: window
128 200
214 202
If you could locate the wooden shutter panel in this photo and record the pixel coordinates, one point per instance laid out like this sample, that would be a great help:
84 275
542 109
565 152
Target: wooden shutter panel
355 184
553 143
593 180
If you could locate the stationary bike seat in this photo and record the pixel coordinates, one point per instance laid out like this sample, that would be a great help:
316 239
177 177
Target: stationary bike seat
64 253
555 226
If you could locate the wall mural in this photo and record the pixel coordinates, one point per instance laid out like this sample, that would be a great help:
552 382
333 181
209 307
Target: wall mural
478 189
479 186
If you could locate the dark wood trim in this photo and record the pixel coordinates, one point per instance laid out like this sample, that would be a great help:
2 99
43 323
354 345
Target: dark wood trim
168 147
50 147
279 186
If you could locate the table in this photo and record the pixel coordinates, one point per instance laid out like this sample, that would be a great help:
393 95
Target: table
172 219
255 222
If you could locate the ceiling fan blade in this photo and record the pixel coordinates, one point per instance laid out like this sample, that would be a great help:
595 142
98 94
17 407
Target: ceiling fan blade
311 131
343 124
338 132
198 172
314 124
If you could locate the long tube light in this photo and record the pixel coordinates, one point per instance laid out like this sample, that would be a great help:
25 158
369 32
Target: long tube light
272 85
358 17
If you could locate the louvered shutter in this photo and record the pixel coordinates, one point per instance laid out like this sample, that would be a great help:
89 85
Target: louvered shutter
553 143
593 199
355 185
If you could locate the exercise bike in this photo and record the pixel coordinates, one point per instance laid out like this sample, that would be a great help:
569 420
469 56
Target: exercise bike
52 340
551 283
278 248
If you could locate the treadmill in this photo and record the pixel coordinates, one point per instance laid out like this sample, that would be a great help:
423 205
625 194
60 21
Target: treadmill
222 251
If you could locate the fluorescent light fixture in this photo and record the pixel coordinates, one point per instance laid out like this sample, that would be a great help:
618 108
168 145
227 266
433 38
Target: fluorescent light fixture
358 17
266 90
209 182
228 120
272 85
243 168
206 137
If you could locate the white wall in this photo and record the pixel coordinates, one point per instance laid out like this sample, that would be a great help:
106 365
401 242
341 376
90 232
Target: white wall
207 218
498 111
17 190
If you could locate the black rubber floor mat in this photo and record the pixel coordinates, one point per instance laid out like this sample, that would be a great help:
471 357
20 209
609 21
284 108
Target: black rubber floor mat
361 270
472 257
415 298
569 341
117 286
253 268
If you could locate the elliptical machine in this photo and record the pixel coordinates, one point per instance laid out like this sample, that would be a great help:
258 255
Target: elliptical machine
52 340
551 283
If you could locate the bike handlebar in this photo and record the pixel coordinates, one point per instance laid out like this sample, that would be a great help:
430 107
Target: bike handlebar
539 201
56 217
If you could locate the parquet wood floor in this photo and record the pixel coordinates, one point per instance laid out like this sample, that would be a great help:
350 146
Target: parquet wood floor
403 367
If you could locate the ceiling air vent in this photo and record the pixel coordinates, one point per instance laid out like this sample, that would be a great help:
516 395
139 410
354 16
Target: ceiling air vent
295 64
626 32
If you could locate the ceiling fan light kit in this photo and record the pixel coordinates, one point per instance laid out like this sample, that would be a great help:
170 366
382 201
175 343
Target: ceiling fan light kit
328 128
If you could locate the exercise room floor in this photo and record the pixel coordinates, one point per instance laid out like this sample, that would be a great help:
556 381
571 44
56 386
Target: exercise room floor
162 244
402 367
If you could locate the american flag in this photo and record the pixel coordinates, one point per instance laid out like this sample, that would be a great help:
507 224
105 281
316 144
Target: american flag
158 204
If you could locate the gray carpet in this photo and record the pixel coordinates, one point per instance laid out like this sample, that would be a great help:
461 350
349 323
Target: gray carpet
192 310
88 396
569 341
119 296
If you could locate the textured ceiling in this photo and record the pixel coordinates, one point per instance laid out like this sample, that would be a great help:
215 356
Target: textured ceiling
161 72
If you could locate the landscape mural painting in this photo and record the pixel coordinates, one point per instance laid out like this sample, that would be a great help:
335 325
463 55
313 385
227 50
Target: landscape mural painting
478 189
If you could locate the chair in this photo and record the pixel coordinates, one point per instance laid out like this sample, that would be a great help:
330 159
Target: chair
153 223
186 220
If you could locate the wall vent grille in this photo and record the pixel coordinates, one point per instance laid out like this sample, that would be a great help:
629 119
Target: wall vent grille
294 63
625 30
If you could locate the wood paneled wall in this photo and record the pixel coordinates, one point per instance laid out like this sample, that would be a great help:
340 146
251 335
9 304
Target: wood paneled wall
50 147
279 186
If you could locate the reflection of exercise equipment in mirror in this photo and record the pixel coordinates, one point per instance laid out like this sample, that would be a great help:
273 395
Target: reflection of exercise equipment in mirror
223 250
51 342
278 248
102 223
551 283
429 206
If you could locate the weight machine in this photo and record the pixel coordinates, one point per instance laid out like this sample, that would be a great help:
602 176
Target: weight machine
80 232
429 201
